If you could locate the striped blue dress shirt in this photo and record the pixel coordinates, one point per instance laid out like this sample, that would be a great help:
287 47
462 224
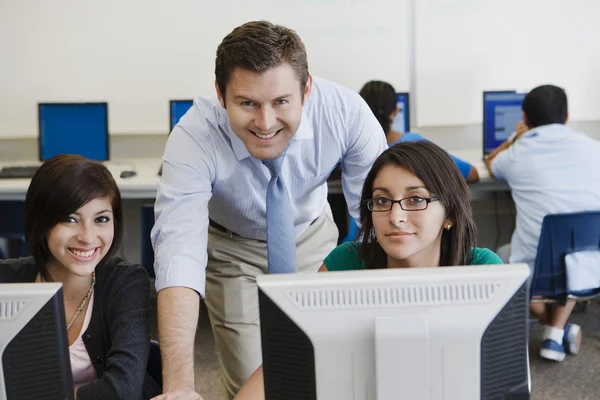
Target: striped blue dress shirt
208 171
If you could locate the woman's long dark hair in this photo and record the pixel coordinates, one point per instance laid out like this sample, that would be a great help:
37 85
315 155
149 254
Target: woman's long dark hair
442 178
381 98
60 187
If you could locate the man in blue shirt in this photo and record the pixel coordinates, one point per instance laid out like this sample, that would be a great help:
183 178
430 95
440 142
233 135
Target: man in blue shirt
273 132
550 169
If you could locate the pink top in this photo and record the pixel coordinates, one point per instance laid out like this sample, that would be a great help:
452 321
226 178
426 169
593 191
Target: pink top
81 365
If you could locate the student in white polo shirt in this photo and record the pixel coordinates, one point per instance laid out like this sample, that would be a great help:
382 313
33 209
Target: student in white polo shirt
550 169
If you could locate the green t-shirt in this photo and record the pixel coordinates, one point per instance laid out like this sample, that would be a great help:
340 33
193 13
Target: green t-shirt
346 257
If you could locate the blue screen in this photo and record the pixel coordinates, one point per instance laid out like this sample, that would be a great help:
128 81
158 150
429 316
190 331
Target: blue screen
74 129
401 121
501 112
178 108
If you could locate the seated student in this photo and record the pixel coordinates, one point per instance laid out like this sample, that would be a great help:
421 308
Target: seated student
415 213
550 169
74 229
381 98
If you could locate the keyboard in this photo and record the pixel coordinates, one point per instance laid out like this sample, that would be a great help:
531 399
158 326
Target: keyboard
18 171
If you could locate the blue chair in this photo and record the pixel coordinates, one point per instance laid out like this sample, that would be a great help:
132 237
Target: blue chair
562 234
11 225
147 250
352 230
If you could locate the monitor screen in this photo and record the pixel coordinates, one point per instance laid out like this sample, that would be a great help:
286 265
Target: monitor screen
401 122
457 333
77 128
177 109
501 112
33 342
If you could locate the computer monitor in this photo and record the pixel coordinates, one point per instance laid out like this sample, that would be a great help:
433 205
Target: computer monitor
401 122
452 333
501 112
177 108
34 349
73 128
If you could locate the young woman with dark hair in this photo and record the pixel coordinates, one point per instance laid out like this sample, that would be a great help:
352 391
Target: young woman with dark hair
74 231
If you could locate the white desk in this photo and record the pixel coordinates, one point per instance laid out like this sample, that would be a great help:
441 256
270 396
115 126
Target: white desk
143 185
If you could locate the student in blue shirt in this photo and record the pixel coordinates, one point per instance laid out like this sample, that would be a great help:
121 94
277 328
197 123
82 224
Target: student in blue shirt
381 98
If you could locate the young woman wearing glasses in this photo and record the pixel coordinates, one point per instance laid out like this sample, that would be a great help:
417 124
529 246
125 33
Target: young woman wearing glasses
415 213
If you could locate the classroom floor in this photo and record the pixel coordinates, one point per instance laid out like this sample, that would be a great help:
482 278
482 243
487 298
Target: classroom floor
576 378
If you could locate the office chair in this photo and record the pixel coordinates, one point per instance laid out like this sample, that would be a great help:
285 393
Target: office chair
352 230
154 367
11 225
147 250
563 234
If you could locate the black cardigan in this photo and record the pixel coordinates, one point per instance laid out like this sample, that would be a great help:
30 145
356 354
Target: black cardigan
118 336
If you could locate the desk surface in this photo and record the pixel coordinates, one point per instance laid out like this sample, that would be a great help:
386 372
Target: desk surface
143 185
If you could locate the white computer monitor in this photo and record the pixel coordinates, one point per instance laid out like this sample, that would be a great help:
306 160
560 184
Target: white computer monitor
34 350
452 333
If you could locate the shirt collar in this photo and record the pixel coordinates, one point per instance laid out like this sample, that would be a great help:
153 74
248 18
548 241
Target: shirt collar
551 130
304 132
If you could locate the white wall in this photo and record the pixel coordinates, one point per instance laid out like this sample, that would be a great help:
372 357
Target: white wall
466 46
138 54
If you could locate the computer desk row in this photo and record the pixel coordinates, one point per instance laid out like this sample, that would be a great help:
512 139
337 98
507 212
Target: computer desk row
143 184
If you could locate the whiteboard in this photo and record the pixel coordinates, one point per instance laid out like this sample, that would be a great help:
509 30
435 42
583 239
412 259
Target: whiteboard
139 54
464 47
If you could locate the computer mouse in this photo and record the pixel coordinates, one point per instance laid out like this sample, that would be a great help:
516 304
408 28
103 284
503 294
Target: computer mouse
128 174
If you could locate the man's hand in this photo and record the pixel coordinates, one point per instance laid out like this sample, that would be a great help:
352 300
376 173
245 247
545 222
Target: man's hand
179 395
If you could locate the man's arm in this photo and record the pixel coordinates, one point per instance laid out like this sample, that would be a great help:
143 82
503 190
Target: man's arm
254 387
179 238
521 128
473 176
178 309
493 154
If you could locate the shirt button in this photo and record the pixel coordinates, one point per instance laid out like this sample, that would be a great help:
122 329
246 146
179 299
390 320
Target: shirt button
86 338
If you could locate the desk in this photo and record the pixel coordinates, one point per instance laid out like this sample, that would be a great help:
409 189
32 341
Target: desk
143 185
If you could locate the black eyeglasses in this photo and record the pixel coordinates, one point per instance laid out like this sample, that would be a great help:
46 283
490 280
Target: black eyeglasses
413 203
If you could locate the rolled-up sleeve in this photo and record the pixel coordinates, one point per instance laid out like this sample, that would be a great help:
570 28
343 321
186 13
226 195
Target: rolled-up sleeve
366 142
180 233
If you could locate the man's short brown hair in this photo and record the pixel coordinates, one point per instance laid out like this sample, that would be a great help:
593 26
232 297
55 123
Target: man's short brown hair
258 46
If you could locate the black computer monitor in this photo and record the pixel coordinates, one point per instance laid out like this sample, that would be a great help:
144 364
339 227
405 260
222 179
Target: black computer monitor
34 348
501 112
73 128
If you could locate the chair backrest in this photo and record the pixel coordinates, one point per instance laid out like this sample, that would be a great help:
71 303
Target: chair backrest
560 235
154 367
147 250
11 224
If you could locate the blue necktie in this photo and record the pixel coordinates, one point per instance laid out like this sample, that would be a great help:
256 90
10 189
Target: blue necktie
281 237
